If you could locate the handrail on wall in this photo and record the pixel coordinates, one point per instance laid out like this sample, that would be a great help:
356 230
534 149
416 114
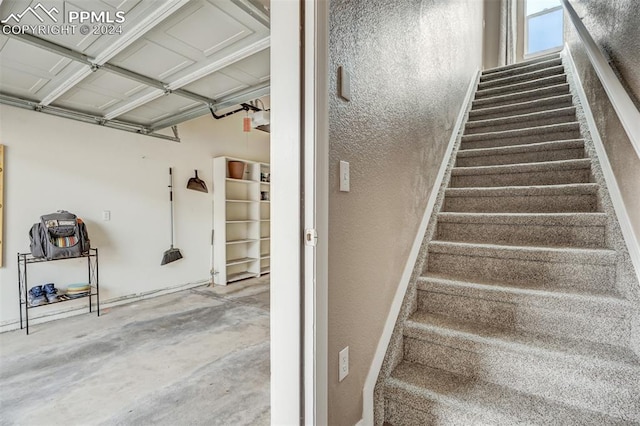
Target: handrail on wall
625 108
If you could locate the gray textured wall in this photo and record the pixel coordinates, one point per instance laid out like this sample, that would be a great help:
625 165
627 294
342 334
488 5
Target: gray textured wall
411 63
615 26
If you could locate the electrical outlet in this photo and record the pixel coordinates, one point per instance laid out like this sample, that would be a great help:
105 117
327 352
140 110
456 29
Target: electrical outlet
343 364
106 215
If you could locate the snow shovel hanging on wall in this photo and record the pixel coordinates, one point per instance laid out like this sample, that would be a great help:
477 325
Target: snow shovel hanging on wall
197 184
172 254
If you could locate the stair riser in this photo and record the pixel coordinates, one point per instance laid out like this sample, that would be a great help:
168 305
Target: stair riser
527 235
526 317
521 97
550 275
399 414
433 413
513 125
569 383
543 136
519 70
521 157
530 85
555 177
520 78
509 110
522 204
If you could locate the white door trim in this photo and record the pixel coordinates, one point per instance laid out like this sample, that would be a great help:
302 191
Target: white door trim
286 306
316 211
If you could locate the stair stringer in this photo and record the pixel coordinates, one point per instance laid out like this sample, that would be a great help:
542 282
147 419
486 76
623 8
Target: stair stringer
394 353
627 283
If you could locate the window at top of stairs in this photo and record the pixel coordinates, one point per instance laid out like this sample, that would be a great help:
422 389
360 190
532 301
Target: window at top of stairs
543 27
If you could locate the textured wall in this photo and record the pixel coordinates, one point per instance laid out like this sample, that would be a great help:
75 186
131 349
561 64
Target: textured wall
411 62
614 25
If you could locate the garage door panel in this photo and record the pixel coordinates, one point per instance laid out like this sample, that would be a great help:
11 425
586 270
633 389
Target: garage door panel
257 66
163 107
85 99
22 84
153 60
208 29
216 85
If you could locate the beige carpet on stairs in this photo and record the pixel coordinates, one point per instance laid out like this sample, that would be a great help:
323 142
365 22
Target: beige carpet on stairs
524 304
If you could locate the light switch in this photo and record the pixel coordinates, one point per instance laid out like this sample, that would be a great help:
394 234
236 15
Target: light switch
343 364
344 176
344 84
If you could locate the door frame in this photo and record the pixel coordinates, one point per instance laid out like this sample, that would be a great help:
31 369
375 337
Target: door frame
299 187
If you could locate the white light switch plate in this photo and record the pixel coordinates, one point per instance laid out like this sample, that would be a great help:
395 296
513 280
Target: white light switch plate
344 89
344 176
343 364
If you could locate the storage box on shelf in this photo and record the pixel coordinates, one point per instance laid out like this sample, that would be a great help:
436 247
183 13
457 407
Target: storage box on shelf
26 259
241 220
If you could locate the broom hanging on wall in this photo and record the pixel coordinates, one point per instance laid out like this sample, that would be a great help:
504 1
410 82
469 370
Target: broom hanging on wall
172 254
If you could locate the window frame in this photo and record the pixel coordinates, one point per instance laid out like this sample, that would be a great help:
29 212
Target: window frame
527 55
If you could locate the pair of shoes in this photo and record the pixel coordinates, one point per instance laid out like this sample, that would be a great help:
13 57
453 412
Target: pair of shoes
36 296
51 292
42 294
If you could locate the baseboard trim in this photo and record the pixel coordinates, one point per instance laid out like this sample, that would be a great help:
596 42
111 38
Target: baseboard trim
633 246
396 304
79 310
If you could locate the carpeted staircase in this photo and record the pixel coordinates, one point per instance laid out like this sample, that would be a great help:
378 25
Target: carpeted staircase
520 315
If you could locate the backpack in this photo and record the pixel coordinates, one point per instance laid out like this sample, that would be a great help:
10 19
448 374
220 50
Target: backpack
59 235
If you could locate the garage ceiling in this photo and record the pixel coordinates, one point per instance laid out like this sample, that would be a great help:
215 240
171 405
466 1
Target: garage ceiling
165 62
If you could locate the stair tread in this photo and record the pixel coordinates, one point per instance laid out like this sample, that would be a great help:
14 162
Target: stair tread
524 75
567 111
417 381
522 64
517 149
601 354
572 301
540 166
547 219
533 190
561 127
537 83
509 109
523 94
559 254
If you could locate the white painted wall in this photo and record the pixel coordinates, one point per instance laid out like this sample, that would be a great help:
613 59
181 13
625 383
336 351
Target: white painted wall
53 163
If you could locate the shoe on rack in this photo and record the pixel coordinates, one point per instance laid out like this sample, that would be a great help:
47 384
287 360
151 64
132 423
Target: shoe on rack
36 296
50 292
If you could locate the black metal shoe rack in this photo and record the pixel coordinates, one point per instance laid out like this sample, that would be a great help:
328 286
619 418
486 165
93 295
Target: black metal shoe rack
25 259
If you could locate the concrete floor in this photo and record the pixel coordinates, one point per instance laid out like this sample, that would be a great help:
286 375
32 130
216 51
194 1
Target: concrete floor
200 356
